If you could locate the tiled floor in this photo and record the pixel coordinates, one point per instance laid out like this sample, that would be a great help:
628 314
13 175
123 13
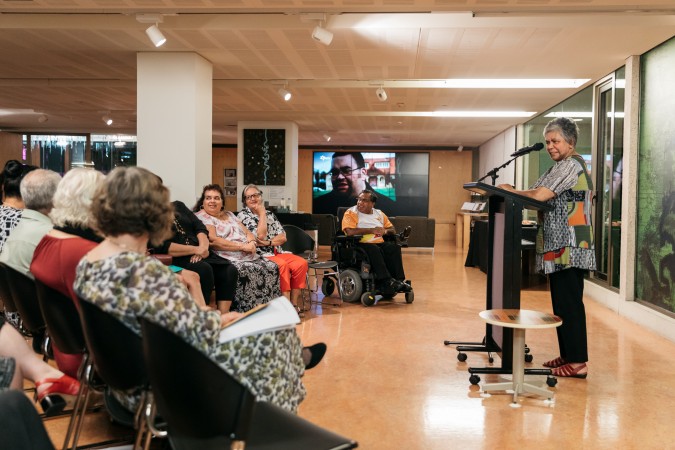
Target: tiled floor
388 381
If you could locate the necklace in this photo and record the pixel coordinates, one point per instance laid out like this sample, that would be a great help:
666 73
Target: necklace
133 246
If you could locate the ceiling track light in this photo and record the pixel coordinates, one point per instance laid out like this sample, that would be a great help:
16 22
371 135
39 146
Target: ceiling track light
322 35
327 137
107 120
381 94
43 118
284 93
460 148
155 35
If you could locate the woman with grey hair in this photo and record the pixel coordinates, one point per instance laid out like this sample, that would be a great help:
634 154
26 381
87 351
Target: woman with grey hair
565 248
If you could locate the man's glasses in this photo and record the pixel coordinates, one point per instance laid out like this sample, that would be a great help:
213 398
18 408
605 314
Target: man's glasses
345 171
253 196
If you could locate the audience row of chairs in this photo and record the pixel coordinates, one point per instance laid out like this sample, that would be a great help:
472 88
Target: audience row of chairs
200 405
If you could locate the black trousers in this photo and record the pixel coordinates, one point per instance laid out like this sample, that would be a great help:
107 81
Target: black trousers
567 291
223 276
385 260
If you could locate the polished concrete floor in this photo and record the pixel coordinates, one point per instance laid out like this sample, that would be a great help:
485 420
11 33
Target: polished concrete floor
389 382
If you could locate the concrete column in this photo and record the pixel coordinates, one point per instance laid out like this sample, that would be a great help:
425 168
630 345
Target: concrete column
175 91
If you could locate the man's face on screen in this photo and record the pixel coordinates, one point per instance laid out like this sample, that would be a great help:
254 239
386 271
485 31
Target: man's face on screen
346 176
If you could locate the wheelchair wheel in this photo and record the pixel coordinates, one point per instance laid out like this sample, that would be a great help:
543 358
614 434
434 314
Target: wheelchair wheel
368 299
351 285
328 286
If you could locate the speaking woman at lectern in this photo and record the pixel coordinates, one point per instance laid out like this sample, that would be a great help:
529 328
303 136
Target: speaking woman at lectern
565 249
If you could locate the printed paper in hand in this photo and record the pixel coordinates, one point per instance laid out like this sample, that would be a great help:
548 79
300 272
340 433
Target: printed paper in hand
278 314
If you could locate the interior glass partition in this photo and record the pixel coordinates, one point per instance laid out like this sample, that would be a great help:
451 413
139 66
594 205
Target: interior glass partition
655 240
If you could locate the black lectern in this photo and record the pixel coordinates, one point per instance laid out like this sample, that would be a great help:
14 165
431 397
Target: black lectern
504 271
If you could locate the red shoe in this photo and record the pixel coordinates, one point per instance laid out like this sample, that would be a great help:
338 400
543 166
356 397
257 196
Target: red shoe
571 372
65 385
559 361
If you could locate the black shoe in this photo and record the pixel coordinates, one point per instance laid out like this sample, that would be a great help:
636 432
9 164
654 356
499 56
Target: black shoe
400 286
316 351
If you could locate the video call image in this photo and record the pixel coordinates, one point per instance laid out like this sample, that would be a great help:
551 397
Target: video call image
400 181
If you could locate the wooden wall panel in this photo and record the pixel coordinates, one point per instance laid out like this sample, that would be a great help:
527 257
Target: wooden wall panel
10 147
224 158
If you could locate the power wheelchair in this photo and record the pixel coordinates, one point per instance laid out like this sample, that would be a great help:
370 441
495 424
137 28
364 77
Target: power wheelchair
356 278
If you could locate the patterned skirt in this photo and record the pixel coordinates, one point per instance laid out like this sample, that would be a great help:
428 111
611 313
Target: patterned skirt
258 283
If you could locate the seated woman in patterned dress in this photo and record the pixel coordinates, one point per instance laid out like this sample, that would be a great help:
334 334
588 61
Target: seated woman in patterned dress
131 208
258 278
269 236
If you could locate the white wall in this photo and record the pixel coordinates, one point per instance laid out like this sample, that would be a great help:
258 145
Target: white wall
496 152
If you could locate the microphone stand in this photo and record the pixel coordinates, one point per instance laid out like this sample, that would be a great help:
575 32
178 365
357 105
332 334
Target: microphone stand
493 172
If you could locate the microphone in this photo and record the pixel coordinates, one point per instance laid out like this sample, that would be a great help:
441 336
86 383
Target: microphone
525 150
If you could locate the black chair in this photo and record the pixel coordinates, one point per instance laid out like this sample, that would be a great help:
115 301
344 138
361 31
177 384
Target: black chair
22 428
117 355
300 243
65 329
6 292
24 295
205 408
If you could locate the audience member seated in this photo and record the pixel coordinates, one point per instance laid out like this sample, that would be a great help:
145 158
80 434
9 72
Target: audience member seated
258 278
269 236
17 361
10 210
189 247
132 208
37 191
385 256
59 251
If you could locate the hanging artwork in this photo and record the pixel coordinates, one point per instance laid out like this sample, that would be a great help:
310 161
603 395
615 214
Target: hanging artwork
265 157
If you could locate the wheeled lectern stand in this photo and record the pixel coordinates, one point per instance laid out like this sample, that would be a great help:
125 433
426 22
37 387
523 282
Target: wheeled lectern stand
505 217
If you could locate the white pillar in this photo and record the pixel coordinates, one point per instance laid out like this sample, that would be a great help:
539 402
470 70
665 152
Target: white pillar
174 95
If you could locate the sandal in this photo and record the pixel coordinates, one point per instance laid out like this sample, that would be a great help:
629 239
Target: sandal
570 372
559 361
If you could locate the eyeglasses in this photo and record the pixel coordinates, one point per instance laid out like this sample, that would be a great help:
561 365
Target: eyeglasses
253 196
345 171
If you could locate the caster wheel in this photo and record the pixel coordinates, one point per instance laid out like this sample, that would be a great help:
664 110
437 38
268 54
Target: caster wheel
474 379
529 358
461 357
410 297
368 299
328 286
551 381
491 360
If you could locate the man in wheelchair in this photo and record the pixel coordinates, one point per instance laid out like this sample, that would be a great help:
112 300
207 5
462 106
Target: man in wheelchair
383 253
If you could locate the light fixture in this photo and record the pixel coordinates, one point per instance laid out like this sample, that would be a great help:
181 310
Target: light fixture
107 120
381 94
322 35
460 148
327 137
155 35
43 118
285 94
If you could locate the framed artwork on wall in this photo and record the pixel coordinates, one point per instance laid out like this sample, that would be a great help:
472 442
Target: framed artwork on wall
265 157
230 182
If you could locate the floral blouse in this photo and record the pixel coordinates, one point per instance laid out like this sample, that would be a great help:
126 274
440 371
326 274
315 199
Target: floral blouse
274 228
130 285
231 230
566 237
9 217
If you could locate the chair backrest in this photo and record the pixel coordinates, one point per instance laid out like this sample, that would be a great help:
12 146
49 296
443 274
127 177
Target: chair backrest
195 396
22 428
297 241
25 299
5 291
62 319
115 349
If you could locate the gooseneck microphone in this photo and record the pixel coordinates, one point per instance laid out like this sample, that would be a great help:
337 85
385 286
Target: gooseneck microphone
525 150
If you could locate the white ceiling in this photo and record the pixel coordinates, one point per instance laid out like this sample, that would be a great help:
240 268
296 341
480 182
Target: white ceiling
75 61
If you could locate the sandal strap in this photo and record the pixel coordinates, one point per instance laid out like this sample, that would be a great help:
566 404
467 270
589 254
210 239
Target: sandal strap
568 371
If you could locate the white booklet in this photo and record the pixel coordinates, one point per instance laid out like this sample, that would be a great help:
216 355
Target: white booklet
278 314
